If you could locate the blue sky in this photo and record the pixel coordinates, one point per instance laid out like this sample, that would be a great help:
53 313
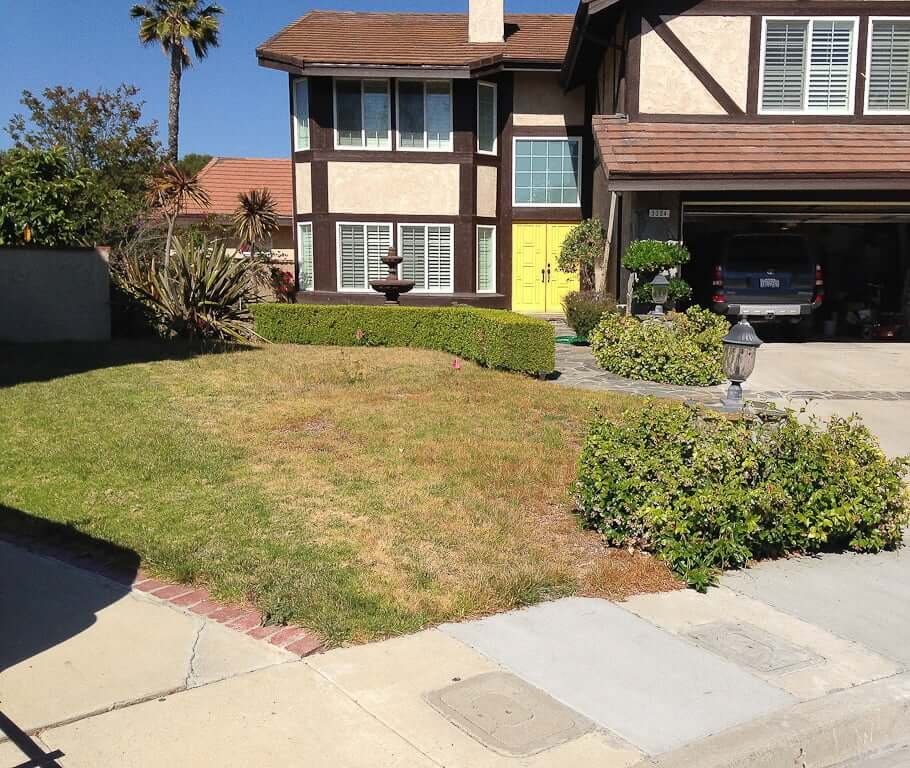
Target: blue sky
230 105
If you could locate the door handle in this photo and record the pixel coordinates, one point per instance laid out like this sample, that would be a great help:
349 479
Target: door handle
548 273
543 275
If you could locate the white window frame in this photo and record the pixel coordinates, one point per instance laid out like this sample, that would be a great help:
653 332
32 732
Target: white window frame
366 253
851 90
866 109
363 123
300 226
495 87
451 145
515 140
492 228
298 147
450 288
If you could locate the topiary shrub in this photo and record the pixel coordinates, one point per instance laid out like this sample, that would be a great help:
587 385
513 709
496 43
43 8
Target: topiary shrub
686 349
646 258
584 309
706 493
494 338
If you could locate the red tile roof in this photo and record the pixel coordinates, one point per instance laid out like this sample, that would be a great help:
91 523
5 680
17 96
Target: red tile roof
415 39
700 150
224 178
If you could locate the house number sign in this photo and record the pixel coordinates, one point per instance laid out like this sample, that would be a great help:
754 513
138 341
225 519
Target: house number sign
659 213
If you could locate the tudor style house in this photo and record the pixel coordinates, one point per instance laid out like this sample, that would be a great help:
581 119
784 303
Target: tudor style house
472 143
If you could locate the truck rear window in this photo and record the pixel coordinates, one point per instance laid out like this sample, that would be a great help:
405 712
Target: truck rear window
760 254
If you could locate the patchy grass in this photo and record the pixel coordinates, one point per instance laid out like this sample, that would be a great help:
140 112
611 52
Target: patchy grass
360 492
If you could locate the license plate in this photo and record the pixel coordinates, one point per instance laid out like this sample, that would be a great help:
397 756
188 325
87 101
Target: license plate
763 310
769 282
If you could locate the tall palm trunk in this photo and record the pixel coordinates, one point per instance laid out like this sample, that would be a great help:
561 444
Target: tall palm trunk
173 107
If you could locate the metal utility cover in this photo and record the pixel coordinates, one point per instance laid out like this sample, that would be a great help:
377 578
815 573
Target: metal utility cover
508 715
753 647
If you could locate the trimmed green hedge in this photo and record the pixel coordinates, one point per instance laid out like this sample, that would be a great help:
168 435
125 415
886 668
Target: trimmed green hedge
494 338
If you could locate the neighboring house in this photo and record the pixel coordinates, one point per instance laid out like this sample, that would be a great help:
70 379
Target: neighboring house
226 178
466 141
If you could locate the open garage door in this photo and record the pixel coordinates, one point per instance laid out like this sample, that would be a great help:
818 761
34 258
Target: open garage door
862 249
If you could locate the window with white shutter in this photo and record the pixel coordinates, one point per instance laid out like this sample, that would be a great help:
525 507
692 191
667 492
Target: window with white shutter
360 250
427 252
486 259
305 256
888 83
808 66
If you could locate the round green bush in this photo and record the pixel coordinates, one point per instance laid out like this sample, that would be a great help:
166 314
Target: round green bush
584 309
686 349
680 290
706 493
653 256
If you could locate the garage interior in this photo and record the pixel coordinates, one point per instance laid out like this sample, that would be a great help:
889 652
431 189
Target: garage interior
863 248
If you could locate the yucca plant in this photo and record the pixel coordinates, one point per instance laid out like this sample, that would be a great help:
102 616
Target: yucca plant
255 219
202 292
171 191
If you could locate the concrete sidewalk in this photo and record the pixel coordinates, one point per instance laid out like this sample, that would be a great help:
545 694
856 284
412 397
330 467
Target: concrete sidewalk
771 669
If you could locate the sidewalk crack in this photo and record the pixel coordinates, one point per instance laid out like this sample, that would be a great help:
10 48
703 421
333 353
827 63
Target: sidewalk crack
191 667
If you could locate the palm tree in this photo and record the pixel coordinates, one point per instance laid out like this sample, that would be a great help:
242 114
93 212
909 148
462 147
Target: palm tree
170 191
175 24
255 218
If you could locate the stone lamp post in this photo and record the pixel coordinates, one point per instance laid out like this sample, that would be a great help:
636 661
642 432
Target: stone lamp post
740 348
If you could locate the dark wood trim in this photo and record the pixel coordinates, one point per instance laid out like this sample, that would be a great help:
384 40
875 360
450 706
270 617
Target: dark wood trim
520 215
755 33
506 93
489 300
778 7
633 74
586 183
744 182
778 119
862 48
294 181
548 130
693 64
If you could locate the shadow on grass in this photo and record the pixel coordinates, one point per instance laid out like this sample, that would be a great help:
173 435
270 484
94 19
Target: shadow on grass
23 363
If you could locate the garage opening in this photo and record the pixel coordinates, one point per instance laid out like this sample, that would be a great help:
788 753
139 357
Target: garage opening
805 269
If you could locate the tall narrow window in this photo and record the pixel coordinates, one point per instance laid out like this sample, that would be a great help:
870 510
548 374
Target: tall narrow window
425 115
808 66
362 114
427 256
889 66
301 114
486 118
486 259
360 249
305 257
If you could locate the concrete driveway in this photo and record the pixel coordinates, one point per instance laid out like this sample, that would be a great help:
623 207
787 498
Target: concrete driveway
871 379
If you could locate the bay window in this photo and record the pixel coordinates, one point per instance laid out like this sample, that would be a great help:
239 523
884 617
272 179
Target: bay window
486 259
888 81
808 65
425 115
362 114
360 248
427 252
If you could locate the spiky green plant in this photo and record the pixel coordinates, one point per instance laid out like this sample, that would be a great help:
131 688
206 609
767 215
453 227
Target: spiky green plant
177 25
170 191
255 219
202 292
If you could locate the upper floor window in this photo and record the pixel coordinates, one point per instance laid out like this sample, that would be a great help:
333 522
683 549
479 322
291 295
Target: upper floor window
808 65
425 114
301 114
486 118
546 172
888 82
362 114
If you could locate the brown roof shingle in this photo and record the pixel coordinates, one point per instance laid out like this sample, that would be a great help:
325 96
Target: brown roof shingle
666 150
414 39
224 178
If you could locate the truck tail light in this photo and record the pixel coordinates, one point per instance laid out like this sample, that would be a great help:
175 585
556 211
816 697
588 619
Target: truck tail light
719 297
819 285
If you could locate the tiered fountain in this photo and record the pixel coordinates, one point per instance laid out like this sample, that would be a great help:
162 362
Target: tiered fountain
391 285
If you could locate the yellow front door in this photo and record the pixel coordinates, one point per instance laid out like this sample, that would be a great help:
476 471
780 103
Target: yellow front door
537 283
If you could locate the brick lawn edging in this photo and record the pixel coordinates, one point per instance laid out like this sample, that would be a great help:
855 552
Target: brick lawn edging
241 618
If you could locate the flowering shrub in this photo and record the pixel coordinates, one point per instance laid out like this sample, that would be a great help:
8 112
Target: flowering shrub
282 284
686 349
706 493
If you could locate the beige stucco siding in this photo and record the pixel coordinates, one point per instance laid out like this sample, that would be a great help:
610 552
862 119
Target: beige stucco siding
304 189
540 100
394 188
487 177
666 85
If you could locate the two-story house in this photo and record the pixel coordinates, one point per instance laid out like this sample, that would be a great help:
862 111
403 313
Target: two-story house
721 118
472 143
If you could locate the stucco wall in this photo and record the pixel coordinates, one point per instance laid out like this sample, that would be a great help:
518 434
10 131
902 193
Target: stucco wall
540 100
54 295
394 188
304 189
720 43
487 178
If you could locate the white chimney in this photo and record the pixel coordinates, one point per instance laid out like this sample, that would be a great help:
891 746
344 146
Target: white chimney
486 22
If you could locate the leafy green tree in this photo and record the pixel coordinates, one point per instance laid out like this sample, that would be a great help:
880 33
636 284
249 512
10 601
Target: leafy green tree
192 162
177 25
582 249
44 202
